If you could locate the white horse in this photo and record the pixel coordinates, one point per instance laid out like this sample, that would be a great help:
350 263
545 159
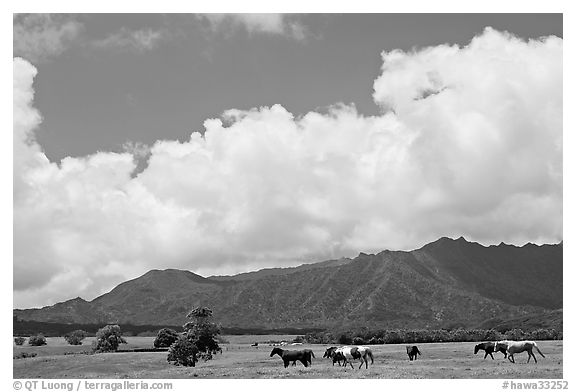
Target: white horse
350 353
513 347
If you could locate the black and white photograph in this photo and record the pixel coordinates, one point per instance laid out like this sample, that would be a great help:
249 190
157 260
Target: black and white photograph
302 195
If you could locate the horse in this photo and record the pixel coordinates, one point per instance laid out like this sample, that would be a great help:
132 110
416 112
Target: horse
513 347
329 353
255 344
309 351
350 353
288 356
489 348
413 352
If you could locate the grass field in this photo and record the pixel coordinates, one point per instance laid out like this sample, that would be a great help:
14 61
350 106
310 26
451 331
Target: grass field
240 360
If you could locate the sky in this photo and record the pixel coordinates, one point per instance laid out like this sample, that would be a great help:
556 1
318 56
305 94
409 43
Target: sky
227 143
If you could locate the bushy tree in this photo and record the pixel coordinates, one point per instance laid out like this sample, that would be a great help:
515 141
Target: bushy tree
198 339
202 331
19 340
183 352
75 337
165 337
37 340
108 339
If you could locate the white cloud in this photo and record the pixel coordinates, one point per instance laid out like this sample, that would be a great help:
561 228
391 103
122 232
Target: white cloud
279 24
473 147
38 37
136 40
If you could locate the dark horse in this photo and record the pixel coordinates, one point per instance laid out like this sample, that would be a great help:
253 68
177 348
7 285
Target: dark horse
489 348
304 356
330 353
413 352
309 359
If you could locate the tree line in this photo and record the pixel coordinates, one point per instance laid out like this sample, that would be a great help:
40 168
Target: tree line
397 336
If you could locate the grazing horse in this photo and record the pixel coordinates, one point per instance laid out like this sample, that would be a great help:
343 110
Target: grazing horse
288 356
347 354
489 348
513 347
413 352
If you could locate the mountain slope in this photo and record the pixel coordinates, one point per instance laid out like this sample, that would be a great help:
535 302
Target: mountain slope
445 282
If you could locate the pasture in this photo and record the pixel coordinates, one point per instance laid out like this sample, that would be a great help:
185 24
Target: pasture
240 360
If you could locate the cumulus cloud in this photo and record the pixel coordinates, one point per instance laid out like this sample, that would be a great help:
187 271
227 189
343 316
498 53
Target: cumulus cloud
135 40
39 37
279 24
469 143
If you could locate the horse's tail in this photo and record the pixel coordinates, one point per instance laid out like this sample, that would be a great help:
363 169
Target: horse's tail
369 353
537 349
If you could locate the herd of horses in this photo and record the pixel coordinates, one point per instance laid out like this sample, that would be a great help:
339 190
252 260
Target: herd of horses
348 354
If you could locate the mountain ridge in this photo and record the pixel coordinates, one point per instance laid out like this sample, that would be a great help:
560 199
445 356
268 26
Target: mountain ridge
443 282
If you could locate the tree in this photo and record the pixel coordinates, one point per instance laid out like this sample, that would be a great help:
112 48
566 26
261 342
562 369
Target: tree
37 340
202 332
183 352
199 337
108 339
75 337
165 337
19 340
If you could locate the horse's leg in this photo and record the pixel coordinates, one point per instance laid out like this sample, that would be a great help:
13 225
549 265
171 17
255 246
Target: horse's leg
511 358
490 355
286 363
304 362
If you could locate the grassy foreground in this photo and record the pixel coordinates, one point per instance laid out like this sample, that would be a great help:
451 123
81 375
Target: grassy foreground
240 360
